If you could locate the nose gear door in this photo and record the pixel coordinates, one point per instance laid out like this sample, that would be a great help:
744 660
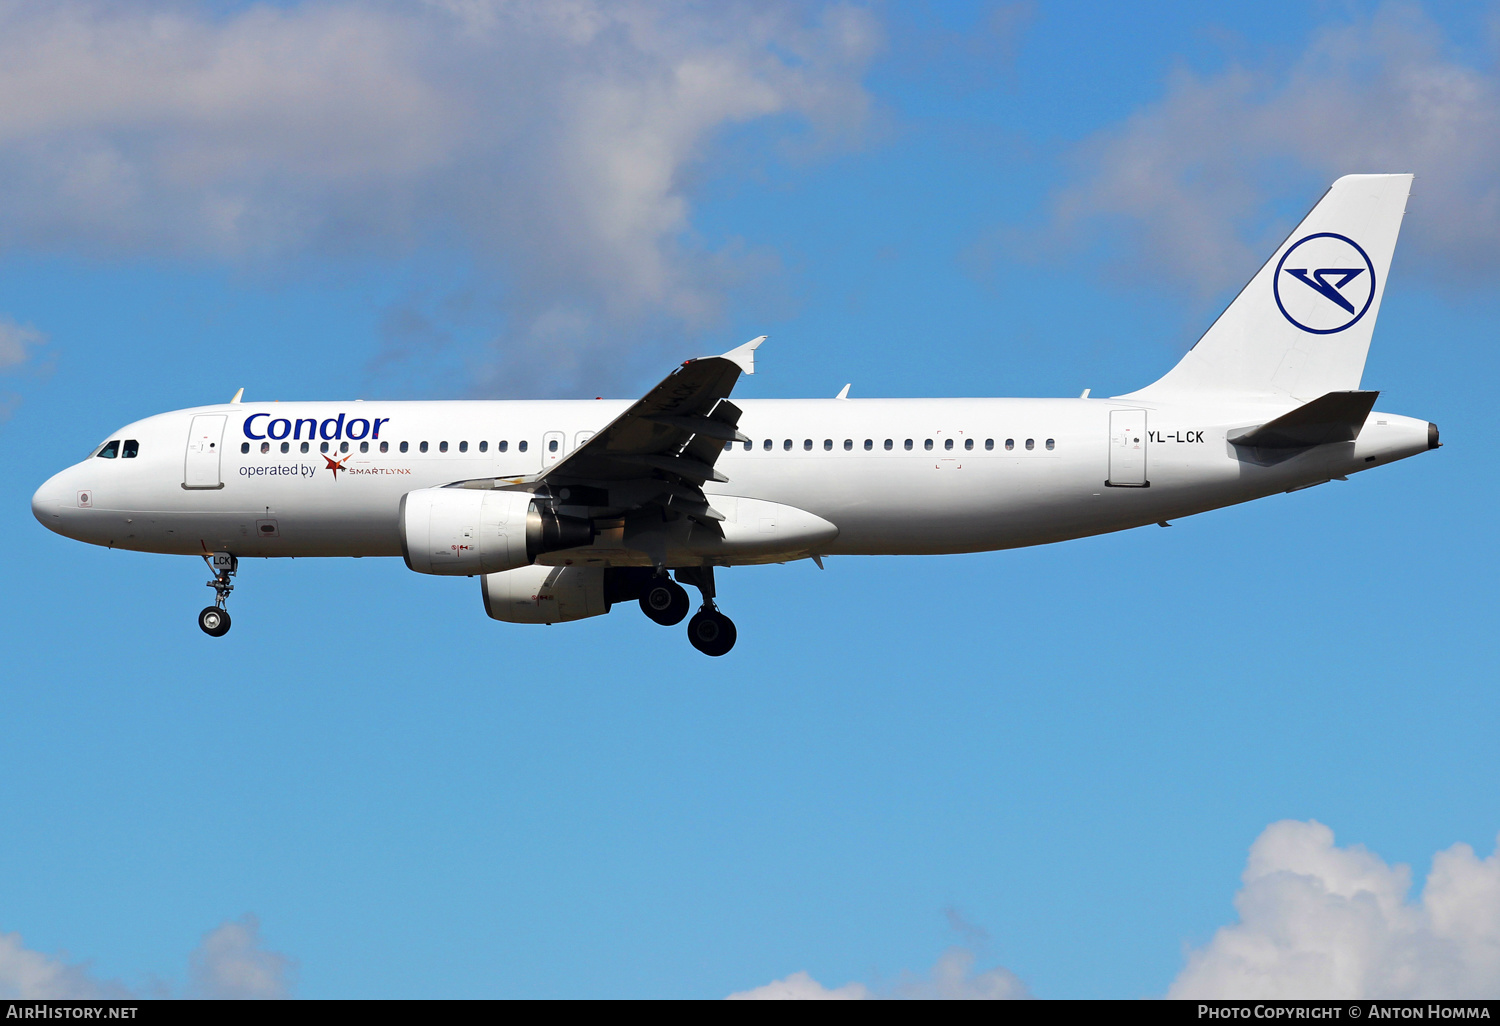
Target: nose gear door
204 447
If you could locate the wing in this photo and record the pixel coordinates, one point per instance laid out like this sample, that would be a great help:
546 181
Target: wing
660 451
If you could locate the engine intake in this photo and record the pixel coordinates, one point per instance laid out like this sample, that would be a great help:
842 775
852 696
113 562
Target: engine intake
460 532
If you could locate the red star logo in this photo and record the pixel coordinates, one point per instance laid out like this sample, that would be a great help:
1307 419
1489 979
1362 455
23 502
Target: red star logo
336 465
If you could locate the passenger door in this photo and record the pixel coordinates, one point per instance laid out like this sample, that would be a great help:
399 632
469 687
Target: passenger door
1127 449
204 447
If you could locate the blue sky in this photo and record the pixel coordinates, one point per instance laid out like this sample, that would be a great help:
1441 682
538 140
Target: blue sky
1056 760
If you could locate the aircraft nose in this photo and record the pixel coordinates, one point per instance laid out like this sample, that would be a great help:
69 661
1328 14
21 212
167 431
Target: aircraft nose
47 503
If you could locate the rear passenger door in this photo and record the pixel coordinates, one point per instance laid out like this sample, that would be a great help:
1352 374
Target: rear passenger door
1127 449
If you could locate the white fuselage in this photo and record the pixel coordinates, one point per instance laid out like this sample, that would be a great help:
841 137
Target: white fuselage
978 474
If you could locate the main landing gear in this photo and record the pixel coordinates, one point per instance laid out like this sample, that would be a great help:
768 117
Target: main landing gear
666 602
214 620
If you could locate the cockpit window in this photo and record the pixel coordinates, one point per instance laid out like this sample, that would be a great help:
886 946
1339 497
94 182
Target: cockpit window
132 449
110 451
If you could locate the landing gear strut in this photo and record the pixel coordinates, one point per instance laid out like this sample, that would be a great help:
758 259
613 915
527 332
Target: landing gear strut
214 620
709 631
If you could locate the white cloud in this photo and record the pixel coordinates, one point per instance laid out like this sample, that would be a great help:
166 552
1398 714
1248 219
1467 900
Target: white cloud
1190 178
554 145
17 343
951 978
799 986
229 963
1320 921
27 975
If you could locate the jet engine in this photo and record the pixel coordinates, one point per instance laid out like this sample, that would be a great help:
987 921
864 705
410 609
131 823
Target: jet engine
555 594
545 594
467 531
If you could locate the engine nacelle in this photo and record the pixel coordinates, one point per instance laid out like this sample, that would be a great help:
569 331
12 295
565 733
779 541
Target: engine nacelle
546 594
466 531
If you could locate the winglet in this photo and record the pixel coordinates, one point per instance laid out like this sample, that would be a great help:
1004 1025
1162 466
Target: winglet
237 396
844 392
744 356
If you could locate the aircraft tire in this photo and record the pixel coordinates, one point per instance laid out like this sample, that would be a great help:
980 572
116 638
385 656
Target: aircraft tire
711 632
665 601
214 621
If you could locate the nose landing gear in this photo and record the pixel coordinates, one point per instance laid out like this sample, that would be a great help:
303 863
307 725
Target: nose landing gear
709 631
214 619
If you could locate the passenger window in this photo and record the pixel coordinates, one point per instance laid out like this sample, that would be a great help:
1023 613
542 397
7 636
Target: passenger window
405 446
927 445
552 445
364 446
422 447
323 447
848 444
244 447
132 447
484 446
265 447
767 445
501 446
989 443
828 445
749 445
343 447
889 445
787 445
869 444
807 445
947 443
1010 443
728 446
1051 445
908 445
385 446
442 447
286 446
463 446
521 446
1030 444
968 443
304 446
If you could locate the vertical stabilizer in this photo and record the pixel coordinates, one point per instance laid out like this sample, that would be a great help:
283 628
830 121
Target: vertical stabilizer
1302 327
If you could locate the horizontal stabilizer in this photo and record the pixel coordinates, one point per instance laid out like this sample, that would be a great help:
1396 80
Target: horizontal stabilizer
1335 417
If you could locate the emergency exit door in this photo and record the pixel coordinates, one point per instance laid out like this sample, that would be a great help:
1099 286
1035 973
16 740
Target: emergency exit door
1127 449
205 445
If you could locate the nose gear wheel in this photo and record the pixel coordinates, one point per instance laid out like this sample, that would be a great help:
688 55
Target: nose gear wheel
214 621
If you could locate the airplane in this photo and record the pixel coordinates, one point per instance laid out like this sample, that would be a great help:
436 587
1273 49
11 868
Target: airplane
564 509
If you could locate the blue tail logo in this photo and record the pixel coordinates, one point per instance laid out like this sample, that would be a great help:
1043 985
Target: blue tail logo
1348 284
1346 275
